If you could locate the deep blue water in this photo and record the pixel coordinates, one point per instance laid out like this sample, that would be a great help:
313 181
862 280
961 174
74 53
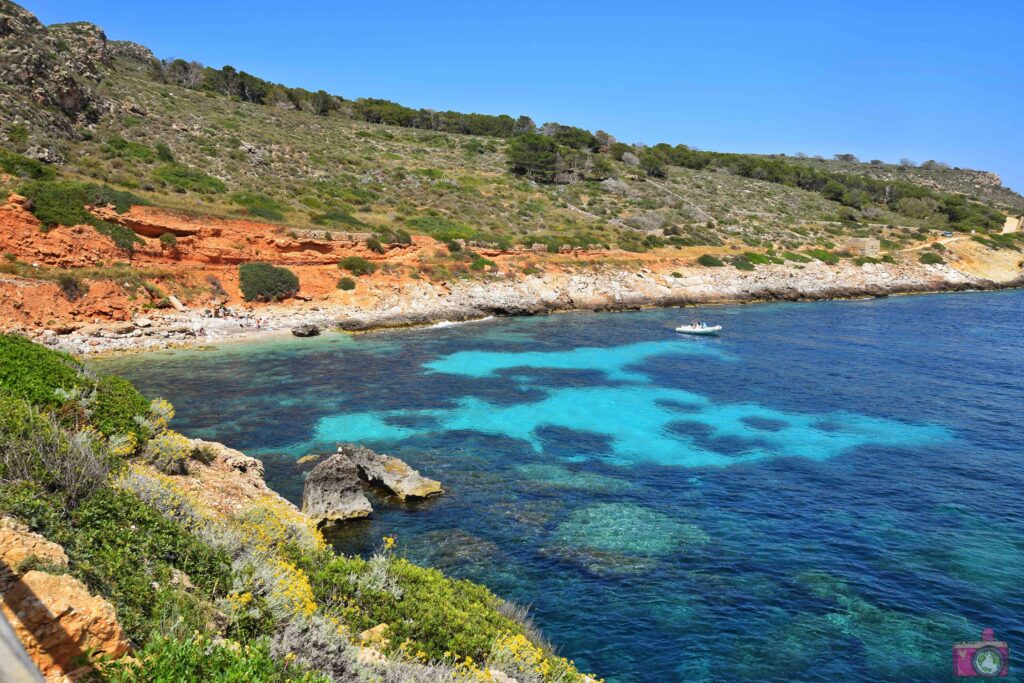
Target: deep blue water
829 491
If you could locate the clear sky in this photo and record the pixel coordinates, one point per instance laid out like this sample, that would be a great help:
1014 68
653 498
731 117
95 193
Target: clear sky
935 79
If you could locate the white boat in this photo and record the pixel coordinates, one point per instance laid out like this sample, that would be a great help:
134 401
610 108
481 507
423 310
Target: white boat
699 328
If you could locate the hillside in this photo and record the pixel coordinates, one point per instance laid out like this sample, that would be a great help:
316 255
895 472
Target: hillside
437 197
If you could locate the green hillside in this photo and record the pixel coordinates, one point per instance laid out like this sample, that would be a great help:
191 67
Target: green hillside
221 141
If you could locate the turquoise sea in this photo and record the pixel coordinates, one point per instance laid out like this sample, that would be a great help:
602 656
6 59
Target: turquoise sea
829 491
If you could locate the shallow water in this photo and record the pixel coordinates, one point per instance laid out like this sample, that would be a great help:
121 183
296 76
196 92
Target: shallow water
829 491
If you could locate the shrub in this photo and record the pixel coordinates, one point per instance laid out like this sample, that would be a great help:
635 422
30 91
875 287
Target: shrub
63 203
168 240
374 245
265 282
197 658
183 179
346 284
357 265
479 263
34 373
121 545
741 263
709 261
123 238
72 286
163 152
824 256
931 258
793 256
676 274
23 167
119 147
338 217
36 448
260 205
116 405
124 550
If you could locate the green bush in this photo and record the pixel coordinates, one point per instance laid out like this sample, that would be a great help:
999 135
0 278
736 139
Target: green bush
63 203
793 256
119 147
183 179
709 261
73 287
479 263
390 236
168 240
260 206
196 658
35 448
357 265
374 245
124 238
116 405
119 546
741 263
930 258
338 217
824 256
436 614
346 284
35 373
265 282
23 167
163 152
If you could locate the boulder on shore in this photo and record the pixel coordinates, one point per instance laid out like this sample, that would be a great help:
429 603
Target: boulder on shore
333 492
306 330
389 473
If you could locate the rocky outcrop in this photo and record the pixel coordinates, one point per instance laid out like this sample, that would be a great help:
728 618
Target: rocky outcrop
306 330
333 493
391 474
18 545
54 615
58 620
224 480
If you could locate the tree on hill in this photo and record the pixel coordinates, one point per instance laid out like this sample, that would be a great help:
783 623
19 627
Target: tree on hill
533 155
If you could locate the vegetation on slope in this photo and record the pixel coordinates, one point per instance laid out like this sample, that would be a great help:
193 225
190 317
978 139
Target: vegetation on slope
256 594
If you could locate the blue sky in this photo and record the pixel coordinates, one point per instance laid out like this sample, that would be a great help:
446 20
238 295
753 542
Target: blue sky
903 78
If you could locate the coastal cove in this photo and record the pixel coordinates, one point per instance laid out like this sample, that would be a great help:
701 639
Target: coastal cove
828 491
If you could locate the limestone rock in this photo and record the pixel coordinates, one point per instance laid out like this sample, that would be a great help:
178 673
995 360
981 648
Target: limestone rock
58 620
332 492
307 330
18 544
390 473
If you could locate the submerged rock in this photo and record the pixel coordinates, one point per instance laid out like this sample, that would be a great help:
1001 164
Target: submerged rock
389 473
306 330
333 492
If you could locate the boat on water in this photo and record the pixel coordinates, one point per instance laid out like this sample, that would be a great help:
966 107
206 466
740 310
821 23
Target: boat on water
699 328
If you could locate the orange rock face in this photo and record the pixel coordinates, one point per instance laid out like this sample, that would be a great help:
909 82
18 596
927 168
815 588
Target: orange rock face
18 544
58 620
55 617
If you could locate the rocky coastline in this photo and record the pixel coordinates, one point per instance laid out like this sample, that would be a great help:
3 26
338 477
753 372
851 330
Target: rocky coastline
600 288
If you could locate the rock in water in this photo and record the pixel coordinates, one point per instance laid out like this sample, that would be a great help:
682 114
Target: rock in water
307 330
389 473
333 492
